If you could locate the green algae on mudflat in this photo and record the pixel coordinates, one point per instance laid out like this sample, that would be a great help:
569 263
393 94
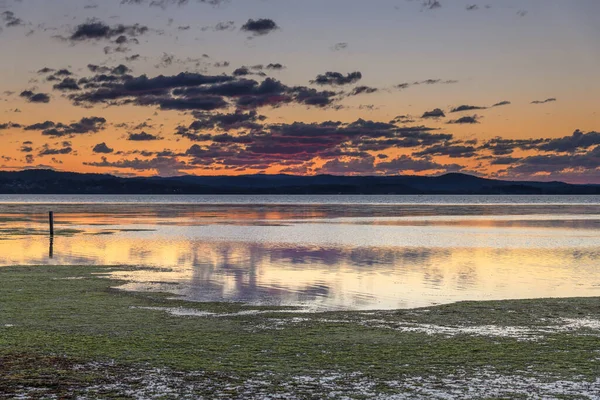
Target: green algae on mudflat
76 315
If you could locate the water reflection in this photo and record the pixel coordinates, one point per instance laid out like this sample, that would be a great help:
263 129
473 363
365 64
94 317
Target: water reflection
313 258
325 277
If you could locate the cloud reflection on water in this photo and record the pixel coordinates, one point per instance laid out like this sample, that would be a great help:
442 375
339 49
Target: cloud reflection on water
340 261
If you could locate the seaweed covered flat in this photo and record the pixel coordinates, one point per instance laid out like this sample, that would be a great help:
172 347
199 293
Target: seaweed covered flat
66 333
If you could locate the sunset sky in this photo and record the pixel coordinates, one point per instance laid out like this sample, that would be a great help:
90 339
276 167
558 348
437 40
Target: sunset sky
499 88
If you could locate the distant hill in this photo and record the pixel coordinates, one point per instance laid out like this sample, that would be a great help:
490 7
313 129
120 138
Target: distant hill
52 182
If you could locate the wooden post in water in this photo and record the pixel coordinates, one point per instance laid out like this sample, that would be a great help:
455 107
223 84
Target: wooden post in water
51 221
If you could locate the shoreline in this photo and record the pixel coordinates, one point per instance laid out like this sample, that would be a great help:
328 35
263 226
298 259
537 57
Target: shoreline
66 330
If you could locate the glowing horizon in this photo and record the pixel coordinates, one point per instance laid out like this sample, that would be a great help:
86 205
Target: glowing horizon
504 89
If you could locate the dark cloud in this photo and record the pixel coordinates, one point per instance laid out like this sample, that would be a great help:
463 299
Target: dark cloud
156 3
472 7
46 150
336 78
550 100
250 94
161 83
153 91
431 4
102 148
400 165
499 146
275 66
259 27
10 19
405 163
83 126
502 103
504 161
194 91
118 70
402 119
242 71
557 163
435 81
339 46
45 70
220 27
362 90
578 140
9 125
435 113
63 72
35 97
453 151
313 97
40 126
295 144
165 166
142 137
191 135
226 122
466 108
204 103
465 120
165 3
26 147
97 30
133 57
355 166
67 84
406 85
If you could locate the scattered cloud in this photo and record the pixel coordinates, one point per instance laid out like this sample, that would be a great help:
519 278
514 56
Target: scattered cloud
431 4
166 3
35 97
466 108
46 150
363 90
337 78
452 151
10 20
550 100
465 120
220 27
97 30
67 84
435 113
9 125
275 66
260 27
83 126
102 148
142 137
339 46
577 141
164 166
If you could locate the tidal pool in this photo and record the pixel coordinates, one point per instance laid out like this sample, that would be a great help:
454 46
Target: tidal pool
320 252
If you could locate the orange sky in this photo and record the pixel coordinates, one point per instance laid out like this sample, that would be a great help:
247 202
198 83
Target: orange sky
520 52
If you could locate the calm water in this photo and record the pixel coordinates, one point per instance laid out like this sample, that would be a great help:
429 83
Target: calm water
321 252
